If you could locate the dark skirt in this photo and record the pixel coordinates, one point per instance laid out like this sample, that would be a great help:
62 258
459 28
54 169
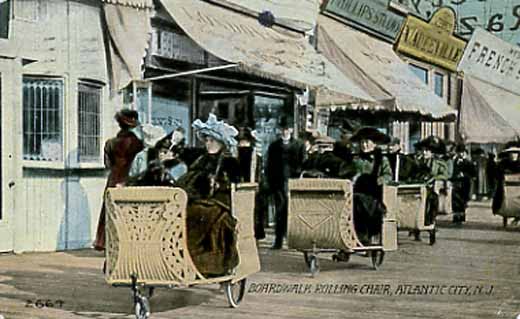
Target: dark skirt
368 216
212 239
460 194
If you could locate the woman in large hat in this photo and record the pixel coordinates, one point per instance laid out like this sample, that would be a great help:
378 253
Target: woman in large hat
151 134
119 152
372 171
430 163
211 228
430 168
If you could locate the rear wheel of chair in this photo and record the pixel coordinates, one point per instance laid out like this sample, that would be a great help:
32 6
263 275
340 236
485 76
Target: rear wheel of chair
377 257
307 259
142 308
235 292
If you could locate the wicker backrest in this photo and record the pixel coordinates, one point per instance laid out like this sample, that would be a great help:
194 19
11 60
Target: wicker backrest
321 214
511 203
243 208
145 236
407 204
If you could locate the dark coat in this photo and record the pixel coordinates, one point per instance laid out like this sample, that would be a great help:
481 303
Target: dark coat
284 162
119 154
211 228
463 171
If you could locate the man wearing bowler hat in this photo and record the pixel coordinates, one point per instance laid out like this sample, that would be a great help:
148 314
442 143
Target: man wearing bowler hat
285 158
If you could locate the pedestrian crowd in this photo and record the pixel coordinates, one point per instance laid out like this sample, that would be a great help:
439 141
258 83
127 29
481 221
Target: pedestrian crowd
145 155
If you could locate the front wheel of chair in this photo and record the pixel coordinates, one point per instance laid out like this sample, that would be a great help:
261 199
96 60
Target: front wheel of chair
235 292
504 221
433 237
314 266
142 308
377 257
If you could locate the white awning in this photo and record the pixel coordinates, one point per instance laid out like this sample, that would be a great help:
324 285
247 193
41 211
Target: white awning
378 70
127 39
302 19
265 52
488 113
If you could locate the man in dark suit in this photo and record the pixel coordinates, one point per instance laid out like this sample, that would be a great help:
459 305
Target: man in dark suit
285 158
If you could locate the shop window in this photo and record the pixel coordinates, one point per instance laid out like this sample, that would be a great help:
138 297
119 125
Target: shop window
42 119
5 13
422 73
89 122
438 81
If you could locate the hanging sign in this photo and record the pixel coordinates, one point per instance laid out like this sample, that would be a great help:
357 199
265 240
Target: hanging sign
493 60
432 42
371 15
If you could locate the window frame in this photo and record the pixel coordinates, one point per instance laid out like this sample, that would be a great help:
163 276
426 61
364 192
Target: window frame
100 88
426 70
58 164
435 75
432 70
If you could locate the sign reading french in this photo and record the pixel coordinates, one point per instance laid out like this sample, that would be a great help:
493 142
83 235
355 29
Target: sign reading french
371 15
434 41
493 60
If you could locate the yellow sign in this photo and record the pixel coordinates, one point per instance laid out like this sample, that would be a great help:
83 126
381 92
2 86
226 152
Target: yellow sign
434 41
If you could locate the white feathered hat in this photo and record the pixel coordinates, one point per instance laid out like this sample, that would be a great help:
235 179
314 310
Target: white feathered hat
219 130
152 134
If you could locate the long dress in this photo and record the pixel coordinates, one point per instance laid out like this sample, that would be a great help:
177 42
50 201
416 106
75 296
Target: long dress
373 170
119 153
429 171
211 227
463 171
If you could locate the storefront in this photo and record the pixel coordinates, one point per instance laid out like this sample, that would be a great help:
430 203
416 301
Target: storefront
217 60
404 102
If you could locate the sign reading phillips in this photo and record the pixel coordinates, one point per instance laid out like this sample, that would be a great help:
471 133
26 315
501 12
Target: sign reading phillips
371 15
493 60
434 41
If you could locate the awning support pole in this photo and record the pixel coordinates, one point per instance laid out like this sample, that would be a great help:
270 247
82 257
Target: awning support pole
169 76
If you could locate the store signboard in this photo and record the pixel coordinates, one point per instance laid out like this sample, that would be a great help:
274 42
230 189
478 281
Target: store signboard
371 15
501 17
493 60
432 41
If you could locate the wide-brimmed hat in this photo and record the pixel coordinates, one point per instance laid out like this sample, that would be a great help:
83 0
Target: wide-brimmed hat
432 143
511 147
218 130
370 133
152 134
127 117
